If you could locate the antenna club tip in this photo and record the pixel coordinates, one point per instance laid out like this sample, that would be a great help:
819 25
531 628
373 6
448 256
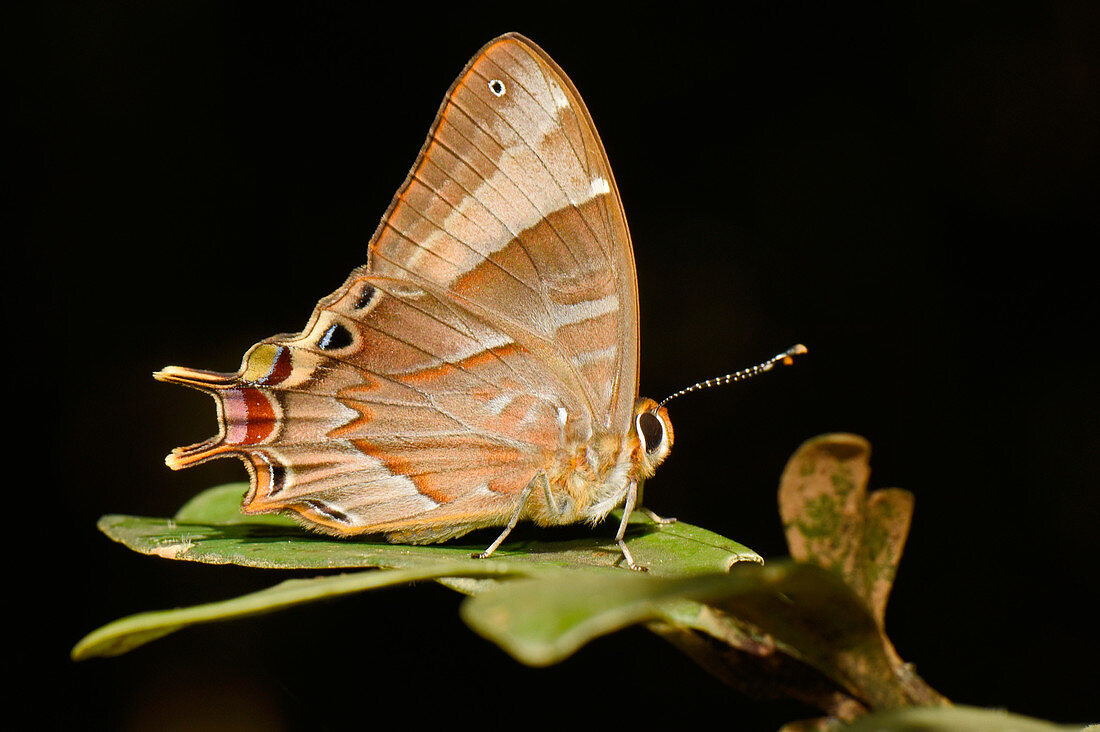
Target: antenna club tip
790 353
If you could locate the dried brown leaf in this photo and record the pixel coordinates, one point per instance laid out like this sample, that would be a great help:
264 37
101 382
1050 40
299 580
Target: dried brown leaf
830 519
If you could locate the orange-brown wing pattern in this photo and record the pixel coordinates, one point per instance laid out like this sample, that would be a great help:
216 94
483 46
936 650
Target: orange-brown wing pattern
395 411
495 321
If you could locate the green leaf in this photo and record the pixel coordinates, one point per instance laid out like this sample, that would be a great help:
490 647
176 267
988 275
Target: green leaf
819 619
211 529
130 632
222 505
543 620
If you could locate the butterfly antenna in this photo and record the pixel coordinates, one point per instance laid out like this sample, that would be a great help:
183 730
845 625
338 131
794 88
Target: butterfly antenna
786 358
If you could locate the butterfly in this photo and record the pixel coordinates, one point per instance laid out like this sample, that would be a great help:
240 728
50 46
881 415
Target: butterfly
481 368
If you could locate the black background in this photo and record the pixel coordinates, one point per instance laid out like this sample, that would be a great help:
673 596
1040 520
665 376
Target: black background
909 191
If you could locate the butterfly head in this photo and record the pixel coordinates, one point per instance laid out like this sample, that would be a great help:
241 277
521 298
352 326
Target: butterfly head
653 429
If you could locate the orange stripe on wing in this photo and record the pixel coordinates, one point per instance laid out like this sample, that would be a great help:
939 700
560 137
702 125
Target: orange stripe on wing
430 374
446 467
355 426
401 466
470 363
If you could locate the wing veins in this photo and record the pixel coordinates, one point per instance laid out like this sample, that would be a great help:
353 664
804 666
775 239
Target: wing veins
543 216
495 437
528 336
486 208
428 286
484 205
584 162
548 168
439 227
392 380
390 225
472 336
391 476
456 364
515 235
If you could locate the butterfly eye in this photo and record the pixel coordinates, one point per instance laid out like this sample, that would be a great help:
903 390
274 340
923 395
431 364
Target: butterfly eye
651 430
496 86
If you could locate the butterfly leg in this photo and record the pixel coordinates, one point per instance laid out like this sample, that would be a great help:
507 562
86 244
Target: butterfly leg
655 518
514 520
652 516
628 508
550 500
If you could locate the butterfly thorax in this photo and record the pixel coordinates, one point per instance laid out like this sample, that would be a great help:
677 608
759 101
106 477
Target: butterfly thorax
587 478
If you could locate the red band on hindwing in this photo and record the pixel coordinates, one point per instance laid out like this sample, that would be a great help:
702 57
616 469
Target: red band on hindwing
249 416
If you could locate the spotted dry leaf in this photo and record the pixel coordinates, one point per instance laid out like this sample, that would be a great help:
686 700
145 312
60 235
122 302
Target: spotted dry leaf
830 519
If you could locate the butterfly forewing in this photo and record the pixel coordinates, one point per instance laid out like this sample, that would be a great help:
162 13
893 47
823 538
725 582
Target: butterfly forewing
495 321
512 207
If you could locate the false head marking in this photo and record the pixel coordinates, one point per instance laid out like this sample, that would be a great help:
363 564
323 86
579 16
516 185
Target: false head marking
250 416
267 365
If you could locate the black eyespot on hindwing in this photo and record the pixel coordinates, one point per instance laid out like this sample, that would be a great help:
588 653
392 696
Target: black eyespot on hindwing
365 297
335 338
278 479
326 510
